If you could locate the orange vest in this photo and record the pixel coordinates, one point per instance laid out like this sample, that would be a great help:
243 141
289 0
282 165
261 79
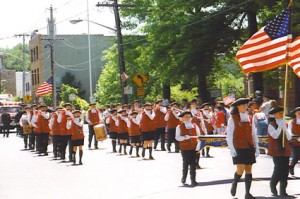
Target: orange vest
55 126
173 122
112 125
134 129
94 117
296 131
209 127
189 144
159 119
63 124
275 145
122 128
76 131
146 124
42 124
242 134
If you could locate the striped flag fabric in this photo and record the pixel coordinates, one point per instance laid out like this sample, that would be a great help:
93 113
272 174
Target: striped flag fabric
124 76
294 56
267 48
45 88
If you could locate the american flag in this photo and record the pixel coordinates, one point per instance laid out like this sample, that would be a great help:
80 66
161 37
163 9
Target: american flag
267 48
45 88
124 76
294 56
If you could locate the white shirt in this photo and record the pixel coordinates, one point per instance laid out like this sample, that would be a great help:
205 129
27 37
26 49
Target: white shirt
167 116
230 129
77 121
188 125
265 107
274 133
134 120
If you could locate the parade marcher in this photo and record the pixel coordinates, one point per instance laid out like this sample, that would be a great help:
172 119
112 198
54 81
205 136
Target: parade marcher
187 133
260 122
123 135
93 118
147 128
160 123
207 116
265 107
280 149
172 122
111 121
75 126
184 104
54 126
26 125
134 132
242 141
17 120
32 136
294 128
41 126
258 97
5 120
220 120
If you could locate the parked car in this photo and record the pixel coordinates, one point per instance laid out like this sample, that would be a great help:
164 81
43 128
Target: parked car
12 110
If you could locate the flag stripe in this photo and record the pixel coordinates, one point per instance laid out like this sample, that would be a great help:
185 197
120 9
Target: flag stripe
294 56
268 47
45 88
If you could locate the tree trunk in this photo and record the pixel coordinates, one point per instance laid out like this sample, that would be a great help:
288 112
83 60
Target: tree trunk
203 93
252 27
166 91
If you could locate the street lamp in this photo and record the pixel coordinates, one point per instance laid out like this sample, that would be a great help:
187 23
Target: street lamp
75 21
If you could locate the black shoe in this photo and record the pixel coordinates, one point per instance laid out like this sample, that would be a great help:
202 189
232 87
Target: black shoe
207 155
249 196
198 167
89 146
273 189
96 147
169 148
291 169
163 149
183 180
177 151
194 183
151 158
284 194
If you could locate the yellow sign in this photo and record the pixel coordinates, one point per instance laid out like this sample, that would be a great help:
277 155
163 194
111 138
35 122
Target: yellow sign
140 91
27 99
140 79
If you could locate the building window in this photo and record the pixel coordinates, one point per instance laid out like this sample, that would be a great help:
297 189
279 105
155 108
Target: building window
32 77
36 53
27 87
38 75
31 55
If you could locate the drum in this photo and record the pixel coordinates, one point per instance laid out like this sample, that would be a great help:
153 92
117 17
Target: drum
100 132
27 129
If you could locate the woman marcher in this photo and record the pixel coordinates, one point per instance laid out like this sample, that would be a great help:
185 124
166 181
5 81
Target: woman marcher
134 132
243 144
186 134
294 128
75 125
280 149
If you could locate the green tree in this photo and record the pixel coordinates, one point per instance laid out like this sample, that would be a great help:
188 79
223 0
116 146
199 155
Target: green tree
14 57
69 79
78 103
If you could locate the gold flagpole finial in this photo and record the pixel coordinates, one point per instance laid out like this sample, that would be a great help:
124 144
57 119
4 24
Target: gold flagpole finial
291 4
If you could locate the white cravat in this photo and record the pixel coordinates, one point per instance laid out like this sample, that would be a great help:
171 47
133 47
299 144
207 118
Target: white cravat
188 125
244 117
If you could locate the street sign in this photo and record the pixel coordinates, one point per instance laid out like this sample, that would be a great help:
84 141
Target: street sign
140 79
216 93
72 97
128 90
27 99
140 91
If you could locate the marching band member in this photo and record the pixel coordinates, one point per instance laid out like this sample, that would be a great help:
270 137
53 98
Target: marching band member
122 130
134 132
42 129
243 144
280 149
135 106
160 113
294 128
93 118
172 122
207 116
55 131
147 128
25 124
33 136
111 120
75 126
187 133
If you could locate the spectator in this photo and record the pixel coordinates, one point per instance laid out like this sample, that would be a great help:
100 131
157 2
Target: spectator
5 120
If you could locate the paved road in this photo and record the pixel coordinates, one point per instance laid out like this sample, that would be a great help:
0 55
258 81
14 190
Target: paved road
105 175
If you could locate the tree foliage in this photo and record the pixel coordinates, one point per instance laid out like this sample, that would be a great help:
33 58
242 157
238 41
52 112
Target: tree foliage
13 57
78 103
69 79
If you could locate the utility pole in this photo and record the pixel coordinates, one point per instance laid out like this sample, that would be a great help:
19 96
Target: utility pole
23 63
116 6
51 39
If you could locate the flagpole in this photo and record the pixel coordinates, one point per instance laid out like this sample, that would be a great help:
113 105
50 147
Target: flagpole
285 87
